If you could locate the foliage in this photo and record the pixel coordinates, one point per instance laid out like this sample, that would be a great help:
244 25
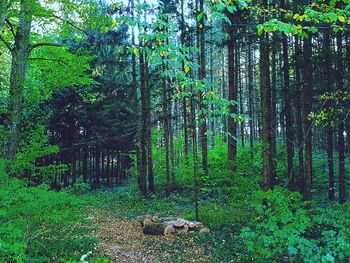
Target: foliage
55 68
41 225
335 13
35 146
285 229
280 223
336 110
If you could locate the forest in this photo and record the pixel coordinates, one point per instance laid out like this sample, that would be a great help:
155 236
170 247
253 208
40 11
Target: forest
174 131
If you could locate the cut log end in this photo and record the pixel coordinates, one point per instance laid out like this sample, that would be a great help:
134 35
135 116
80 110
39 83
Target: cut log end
153 225
154 228
169 230
183 229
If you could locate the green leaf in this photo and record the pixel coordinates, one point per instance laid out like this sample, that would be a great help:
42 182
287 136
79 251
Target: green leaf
260 29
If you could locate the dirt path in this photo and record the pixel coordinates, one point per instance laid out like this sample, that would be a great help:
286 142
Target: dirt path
122 240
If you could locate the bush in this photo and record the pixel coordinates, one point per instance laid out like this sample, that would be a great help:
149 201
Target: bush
284 230
41 225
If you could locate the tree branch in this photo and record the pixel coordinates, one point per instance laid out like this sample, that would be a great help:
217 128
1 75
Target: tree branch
44 44
53 60
7 44
11 27
73 25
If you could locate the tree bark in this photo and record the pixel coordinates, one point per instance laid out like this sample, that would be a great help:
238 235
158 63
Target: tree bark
240 90
20 54
347 120
143 170
265 107
98 164
300 135
85 162
232 95
166 132
195 159
74 166
3 12
103 161
184 100
288 115
223 94
251 100
341 128
272 134
108 170
135 93
202 76
329 130
307 95
171 140
149 131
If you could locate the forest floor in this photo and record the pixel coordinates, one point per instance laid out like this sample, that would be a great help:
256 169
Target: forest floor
122 240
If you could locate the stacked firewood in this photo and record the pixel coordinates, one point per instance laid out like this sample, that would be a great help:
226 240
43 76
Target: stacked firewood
153 225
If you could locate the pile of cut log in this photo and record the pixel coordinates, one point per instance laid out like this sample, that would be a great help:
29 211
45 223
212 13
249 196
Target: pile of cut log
153 225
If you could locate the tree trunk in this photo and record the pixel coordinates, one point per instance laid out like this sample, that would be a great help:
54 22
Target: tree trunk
329 130
98 164
143 170
223 94
307 95
211 79
272 134
232 95
135 93
108 167
347 120
3 12
300 136
79 162
74 166
85 162
118 180
149 131
102 162
195 159
288 115
166 131
91 163
171 140
341 128
240 90
265 107
112 174
184 100
20 54
251 100
202 76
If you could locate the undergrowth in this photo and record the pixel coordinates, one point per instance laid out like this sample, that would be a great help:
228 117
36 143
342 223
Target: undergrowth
246 223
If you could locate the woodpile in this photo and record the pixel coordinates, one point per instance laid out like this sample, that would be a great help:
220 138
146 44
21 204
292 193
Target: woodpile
153 225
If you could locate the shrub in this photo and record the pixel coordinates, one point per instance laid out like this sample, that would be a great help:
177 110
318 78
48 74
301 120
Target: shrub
284 230
40 225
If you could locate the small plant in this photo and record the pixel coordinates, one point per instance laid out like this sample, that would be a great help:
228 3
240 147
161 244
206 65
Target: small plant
284 229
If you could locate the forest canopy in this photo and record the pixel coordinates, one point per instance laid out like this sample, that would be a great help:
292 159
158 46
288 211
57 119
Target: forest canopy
234 113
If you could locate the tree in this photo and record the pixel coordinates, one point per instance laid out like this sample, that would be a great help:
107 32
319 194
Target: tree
288 110
307 95
20 54
329 129
341 126
266 107
3 10
202 76
233 93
